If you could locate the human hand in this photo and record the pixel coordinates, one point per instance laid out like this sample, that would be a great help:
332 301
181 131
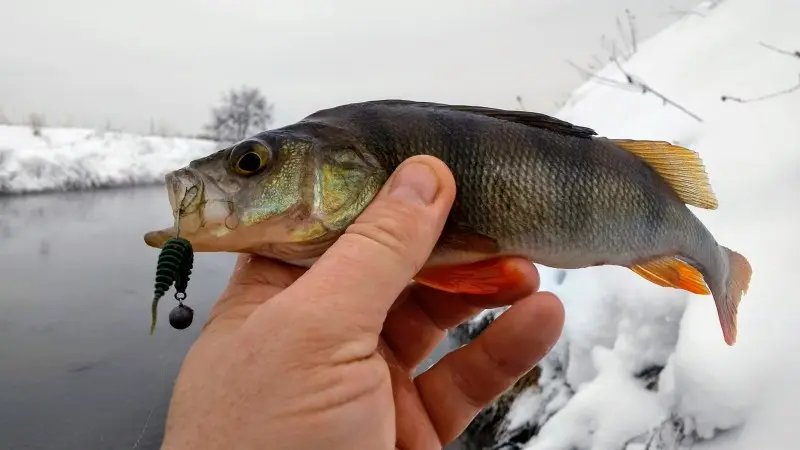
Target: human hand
323 358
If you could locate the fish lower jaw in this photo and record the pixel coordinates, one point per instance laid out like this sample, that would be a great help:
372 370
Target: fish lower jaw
198 238
200 230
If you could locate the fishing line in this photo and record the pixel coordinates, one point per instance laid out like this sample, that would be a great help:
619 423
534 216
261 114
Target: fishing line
171 347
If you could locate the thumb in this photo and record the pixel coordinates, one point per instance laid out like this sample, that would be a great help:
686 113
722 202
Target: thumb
356 281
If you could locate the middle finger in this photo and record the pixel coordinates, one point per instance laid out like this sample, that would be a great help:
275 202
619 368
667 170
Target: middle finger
416 326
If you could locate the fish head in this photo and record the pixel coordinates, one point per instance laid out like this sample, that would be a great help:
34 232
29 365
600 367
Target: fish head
278 194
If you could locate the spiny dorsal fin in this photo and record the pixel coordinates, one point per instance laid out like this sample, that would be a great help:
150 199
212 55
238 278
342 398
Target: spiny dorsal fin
527 118
680 167
670 271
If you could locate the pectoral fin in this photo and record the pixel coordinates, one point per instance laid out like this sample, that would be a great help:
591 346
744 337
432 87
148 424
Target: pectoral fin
483 277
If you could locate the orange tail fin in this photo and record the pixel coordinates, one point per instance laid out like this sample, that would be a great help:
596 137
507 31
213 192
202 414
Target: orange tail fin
728 304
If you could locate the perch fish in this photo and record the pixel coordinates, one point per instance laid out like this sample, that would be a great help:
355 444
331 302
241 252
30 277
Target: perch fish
528 185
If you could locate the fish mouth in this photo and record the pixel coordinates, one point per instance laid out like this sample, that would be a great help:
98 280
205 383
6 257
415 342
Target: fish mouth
202 210
186 188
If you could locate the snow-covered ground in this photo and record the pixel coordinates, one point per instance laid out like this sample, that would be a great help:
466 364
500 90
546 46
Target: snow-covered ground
74 158
644 367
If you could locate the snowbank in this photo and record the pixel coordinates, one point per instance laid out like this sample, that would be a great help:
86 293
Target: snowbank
73 158
643 367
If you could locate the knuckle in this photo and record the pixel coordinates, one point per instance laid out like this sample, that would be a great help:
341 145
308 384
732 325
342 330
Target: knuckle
471 388
506 368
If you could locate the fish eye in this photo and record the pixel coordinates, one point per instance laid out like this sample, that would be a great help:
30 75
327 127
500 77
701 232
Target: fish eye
249 157
249 162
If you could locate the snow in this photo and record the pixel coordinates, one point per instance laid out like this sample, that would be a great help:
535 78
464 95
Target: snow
610 410
595 392
74 158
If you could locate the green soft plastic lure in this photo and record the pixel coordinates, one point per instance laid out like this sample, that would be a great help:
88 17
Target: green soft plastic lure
174 267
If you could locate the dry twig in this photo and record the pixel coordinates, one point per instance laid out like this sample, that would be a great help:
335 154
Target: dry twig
729 98
796 87
633 84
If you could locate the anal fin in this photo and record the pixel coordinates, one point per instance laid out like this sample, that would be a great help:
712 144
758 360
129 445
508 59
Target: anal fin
672 272
483 277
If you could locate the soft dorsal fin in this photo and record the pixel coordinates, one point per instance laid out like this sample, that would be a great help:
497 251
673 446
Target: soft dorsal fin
527 118
680 167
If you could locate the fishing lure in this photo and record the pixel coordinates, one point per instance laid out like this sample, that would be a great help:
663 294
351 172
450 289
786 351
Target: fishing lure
174 267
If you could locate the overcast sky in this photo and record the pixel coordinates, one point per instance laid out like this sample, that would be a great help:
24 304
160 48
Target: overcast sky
91 61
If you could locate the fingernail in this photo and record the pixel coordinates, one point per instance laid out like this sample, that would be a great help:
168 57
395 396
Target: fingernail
415 182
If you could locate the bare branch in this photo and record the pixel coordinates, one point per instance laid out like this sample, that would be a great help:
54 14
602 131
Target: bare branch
589 75
521 105
621 32
646 88
795 53
729 98
796 87
682 12
632 31
633 84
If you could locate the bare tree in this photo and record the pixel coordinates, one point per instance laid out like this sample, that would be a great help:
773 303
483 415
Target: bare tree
37 122
160 128
243 112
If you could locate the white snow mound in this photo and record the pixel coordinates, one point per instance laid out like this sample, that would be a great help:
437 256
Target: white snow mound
62 159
